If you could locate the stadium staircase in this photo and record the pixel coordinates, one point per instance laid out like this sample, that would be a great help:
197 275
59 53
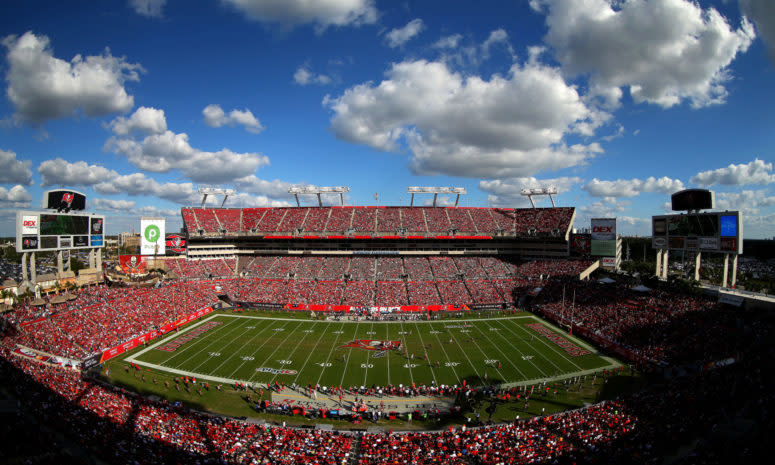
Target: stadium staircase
355 449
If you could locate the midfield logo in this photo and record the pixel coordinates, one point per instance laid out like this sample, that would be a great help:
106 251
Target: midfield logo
373 344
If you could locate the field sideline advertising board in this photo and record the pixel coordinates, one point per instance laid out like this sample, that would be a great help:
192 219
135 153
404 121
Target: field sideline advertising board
699 232
152 240
48 231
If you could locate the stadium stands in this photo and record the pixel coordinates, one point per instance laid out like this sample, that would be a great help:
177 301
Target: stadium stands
379 221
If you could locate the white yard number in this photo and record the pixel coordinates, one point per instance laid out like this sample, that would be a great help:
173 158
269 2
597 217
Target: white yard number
367 365
490 362
247 358
527 357
402 332
215 354
435 332
324 364
278 329
338 332
494 329
410 365
464 331
284 362
451 364
308 331
371 332
250 327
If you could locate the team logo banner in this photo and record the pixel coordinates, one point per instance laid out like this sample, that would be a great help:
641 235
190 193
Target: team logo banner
132 264
373 344
176 243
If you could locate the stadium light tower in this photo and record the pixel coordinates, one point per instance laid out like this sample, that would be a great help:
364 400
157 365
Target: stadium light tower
436 191
296 190
529 193
208 190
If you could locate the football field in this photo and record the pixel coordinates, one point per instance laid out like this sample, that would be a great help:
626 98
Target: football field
227 348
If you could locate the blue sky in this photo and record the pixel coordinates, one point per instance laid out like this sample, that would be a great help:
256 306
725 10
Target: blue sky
617 104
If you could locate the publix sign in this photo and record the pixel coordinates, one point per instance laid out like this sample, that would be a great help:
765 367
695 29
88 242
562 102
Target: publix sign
152 236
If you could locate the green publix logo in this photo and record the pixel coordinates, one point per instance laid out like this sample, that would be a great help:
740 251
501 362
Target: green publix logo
152 233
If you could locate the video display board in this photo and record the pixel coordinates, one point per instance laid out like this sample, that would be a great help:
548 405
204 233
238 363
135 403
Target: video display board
46 231
713 232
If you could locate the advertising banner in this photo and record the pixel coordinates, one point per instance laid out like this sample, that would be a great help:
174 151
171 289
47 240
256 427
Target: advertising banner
29 224
709 243
132 264
152 236
603 229
97 241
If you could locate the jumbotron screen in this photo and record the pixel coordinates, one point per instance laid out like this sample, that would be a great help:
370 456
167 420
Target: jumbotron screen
46 231
713 232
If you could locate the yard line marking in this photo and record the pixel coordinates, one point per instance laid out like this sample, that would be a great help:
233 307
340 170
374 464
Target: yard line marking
505 357
537 352
169 337
419 333
503 380
328 325
387 353
187 347
323 368
349 351
206 347
441 344
294 350
290 333
553 347
235 354
254 352
406 347
466 354
366 373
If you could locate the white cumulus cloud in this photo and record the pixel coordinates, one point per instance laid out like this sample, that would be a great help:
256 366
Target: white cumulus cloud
755 172
303 76
321 13
519 128
215 117
60 172
43 87
161 153
144 119
448 42
748 201
506 192
150 8
663 51
13 171
632 187
15 197
399 36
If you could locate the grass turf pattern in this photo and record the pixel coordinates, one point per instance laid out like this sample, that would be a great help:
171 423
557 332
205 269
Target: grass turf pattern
261 350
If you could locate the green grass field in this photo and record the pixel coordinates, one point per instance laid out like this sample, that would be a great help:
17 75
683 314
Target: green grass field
264 349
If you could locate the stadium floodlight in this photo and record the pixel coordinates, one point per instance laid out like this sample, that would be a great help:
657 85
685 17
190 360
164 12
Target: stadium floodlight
209 190
436 191
316 190
529 193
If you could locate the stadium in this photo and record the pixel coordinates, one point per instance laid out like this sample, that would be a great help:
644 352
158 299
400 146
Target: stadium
368 232
380 335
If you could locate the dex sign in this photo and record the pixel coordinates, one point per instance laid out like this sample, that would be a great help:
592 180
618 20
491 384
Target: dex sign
603 229
152 236
29 224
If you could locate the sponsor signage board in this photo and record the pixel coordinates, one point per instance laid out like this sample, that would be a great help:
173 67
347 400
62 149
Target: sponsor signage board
80 241
603 229
132 264
29 242
30 224
152 241
608 262
659 242
97 241
65 242
709 243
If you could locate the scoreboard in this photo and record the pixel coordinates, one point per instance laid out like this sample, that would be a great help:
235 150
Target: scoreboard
48 231
699 232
